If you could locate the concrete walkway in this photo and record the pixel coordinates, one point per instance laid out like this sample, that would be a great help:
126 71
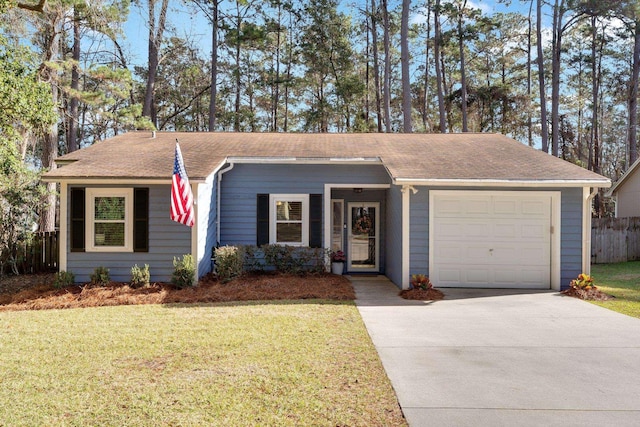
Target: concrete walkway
504 358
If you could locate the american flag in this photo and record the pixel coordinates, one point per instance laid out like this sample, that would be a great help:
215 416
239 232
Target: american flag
181 196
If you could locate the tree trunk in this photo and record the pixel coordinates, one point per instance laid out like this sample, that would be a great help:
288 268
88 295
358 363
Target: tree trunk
387 68
404 59
72 131
463 77
529 73
236 109
376 64
558 15
425 108
439 71
544 129
213 94
276 82
155 41
47 220
633 96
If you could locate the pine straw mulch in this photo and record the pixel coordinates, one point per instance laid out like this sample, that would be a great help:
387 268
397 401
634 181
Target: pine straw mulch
421 294
591 294
38 293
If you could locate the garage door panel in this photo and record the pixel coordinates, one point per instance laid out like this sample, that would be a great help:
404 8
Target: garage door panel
493 240
535 208
505 207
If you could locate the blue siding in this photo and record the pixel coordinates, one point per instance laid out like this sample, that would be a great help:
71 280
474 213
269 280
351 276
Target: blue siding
571 236
393 267
244 182
419 261
167 239
570 224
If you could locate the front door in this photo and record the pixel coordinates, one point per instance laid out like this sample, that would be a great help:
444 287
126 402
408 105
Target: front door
363 252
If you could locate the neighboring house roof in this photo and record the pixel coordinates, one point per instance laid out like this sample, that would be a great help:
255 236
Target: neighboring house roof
620 182
409 158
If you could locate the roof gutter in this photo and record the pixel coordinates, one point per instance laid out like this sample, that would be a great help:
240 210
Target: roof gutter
305 160
604 183
220 172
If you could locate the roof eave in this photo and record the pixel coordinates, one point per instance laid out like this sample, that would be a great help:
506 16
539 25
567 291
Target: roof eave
623 178
502 183
305 160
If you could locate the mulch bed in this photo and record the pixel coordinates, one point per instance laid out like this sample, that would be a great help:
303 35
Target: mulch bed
592 294
29 293
421 294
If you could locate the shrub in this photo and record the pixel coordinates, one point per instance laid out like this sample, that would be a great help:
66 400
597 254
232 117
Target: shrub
583 281
140 276
253 259
100 276
63 279
184 272
229 262
420 281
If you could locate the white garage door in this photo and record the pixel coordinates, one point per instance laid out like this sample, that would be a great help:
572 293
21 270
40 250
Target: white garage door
491 239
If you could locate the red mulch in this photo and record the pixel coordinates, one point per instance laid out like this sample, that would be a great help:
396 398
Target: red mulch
29 293
422 295
592 294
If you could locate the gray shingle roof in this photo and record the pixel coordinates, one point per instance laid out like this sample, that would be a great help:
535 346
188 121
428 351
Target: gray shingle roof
407 157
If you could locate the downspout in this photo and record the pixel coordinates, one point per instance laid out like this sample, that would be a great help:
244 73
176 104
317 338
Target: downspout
406 233
586 231
219 197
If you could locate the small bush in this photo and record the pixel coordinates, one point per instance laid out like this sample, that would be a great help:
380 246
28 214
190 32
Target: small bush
100 276
420 281
583 281
253 259
229 262
184 272
63 279
140 276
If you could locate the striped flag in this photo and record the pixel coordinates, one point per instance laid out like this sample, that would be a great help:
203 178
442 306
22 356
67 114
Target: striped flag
181 196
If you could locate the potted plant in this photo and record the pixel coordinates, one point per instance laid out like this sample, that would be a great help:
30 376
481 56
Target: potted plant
337 262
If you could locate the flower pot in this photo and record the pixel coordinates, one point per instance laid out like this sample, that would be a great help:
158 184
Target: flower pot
337 267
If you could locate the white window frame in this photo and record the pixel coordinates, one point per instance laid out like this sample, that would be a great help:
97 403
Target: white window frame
91 194
273 199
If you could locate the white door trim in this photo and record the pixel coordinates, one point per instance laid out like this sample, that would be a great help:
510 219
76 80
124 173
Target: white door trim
555 197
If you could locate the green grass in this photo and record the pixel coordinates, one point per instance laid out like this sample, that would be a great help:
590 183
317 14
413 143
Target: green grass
622 280
267 364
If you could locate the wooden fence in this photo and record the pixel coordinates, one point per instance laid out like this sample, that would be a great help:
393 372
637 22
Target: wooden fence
615 240
38 256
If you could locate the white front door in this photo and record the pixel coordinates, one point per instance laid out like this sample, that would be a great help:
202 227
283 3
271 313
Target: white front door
363 252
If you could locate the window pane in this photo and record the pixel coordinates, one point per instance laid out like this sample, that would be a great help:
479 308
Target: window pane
289 211
109 208
109 234
289 233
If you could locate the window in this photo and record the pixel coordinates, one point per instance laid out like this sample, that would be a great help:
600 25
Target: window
289 219
109 220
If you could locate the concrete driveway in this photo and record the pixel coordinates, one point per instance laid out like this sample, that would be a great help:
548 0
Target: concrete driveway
504 358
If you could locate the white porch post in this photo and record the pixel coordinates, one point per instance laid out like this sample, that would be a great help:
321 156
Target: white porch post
194 232
62 238
587 197
406 233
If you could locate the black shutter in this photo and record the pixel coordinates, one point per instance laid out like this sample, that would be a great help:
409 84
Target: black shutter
315 220
141 220
76 219
262 225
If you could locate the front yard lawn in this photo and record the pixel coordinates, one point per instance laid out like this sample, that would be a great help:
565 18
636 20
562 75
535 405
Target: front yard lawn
254 363
622 280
